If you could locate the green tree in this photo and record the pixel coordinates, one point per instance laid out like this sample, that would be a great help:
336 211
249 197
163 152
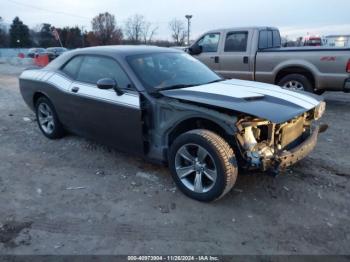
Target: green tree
71 37
19 34
46 38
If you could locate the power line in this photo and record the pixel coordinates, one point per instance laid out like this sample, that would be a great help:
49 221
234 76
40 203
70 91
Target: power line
70 14
47 10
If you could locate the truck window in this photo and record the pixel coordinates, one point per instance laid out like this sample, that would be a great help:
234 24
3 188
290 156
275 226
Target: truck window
269 39
209 42
236 42
276 38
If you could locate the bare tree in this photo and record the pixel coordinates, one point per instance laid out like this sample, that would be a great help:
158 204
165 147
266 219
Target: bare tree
148 32
138 29
134 28
178 31
105 29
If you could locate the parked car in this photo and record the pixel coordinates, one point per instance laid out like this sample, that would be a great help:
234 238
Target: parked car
55 52
255 53
34 52
164 105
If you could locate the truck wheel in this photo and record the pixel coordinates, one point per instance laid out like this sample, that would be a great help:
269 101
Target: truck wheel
296 82
47 119
203 165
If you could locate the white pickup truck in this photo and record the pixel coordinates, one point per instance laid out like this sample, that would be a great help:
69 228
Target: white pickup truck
255 53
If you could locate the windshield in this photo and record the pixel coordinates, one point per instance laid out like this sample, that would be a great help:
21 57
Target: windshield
161 71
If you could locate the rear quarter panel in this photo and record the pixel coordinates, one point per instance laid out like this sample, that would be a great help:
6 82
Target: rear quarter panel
35 81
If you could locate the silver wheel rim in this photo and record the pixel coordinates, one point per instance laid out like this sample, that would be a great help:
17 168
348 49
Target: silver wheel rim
195 168
45 118
294 85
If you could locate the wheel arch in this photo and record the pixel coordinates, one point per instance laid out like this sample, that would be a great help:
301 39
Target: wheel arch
296 69
37 95
221 128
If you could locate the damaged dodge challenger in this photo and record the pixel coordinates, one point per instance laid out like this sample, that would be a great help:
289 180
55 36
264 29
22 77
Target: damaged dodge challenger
166 106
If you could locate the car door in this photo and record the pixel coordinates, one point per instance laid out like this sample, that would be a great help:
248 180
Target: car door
210 50
236 60
102 114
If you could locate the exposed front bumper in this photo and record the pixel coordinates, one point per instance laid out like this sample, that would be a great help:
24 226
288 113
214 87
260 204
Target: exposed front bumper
290 157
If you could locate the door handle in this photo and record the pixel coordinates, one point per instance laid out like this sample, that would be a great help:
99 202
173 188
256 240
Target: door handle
75 89
216 59
246 60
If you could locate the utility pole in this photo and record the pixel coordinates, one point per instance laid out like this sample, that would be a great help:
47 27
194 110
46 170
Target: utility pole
188 17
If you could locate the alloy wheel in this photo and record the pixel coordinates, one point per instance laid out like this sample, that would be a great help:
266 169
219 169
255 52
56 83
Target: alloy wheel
45 117
195 168
294 85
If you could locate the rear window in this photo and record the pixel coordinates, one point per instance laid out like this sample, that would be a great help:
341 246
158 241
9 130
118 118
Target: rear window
72 67
269 39
236 42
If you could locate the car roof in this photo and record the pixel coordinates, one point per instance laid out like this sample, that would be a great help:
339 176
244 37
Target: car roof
116 51
123 50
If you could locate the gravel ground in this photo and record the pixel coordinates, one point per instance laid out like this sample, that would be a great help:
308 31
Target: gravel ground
73 196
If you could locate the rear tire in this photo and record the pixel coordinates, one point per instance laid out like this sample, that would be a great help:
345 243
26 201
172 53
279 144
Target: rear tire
296 82
201 155
47 119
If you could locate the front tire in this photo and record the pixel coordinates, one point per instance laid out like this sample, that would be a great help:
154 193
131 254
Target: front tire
203 165
47 119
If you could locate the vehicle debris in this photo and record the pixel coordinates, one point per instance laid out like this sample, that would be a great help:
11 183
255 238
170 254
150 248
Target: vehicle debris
39 191
27 119
164 209
75 188
100 173
147 176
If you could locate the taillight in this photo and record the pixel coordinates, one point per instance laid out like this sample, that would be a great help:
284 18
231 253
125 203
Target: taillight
348 67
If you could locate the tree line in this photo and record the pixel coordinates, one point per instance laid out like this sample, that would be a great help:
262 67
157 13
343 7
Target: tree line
105 31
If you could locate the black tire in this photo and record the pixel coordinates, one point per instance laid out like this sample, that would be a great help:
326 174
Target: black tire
298 78
222 155
57 130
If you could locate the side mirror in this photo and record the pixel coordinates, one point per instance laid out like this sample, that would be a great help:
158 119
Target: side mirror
195 49
109 83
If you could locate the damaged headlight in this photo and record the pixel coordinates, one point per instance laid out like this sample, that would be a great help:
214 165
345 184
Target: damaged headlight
319 110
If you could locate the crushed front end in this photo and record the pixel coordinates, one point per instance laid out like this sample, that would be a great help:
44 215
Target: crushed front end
268 146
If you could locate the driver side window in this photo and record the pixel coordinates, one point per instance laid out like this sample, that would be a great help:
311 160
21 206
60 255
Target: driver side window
209 42
94 68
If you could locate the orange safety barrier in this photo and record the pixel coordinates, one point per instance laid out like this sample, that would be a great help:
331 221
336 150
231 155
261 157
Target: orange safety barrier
41 60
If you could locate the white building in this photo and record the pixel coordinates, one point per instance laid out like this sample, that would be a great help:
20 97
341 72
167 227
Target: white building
337 40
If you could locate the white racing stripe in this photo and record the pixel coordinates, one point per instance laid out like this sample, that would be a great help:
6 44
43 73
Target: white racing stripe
85 90
275 88
91 91
224 90
231 89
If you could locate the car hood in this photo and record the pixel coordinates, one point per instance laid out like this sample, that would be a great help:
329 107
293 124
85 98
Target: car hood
265 101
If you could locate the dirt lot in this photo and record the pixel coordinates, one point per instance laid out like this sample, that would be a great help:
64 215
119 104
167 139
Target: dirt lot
74 196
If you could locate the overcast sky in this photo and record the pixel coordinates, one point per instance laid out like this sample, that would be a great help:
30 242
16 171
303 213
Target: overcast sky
294 17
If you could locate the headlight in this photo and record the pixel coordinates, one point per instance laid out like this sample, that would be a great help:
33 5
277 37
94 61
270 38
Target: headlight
319 110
